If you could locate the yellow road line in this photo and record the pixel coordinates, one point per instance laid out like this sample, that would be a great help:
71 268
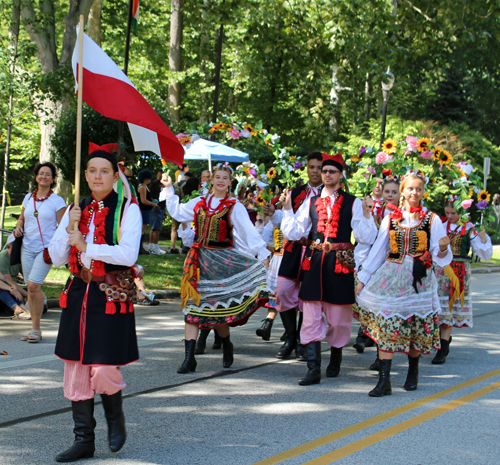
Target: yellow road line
403 426
308 446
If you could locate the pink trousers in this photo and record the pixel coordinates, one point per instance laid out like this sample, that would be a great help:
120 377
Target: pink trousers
287 294
338 317
83 382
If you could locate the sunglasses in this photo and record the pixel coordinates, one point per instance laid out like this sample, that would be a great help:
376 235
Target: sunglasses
330 171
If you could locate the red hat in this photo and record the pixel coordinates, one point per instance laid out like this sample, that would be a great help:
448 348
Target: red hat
334 160
107 151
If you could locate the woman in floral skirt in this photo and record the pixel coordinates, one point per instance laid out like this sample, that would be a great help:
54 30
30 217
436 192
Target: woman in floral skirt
222 282
454 279
397 289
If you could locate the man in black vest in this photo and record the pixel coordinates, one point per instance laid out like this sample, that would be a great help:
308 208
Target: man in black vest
287 289
97 327
328 283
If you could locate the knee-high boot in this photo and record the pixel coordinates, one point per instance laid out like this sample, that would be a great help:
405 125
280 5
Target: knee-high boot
227 352
383 387
189 363
289 319
217 340
300 350
412 376
201 343
116 420
375 366
333 369
84 445
313 375
442 353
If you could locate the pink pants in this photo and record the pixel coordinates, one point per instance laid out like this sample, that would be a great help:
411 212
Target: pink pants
287 294
83 382
339 318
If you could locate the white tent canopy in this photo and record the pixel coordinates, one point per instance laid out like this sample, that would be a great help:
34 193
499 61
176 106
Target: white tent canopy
203 149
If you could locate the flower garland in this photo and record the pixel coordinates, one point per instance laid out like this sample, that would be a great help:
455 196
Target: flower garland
329 227
96 266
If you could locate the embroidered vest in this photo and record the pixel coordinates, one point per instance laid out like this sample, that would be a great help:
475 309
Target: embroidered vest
460 245
412 241
213 231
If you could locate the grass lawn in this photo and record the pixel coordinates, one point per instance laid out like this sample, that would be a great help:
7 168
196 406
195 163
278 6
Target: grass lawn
495 260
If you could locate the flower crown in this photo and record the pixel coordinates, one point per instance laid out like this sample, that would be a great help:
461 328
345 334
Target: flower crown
418 174
452 198
222 166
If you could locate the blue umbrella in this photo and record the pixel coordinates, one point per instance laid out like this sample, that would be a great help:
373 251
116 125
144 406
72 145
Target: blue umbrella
202 149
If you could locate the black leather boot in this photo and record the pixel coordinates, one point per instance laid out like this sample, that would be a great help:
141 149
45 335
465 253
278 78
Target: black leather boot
360 342
442 353
289 319
84 445
300 352
189 363
265 330
283 337
333 369
313 375
383 387
217 341
201 343
227 352
412 376
375 366
116 420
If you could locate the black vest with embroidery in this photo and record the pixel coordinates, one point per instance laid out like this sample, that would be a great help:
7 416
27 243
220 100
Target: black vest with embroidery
321 283
460 245
413 241
214 231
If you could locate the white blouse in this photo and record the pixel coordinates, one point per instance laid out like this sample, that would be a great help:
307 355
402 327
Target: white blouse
380 249
125 253
245 236
483 251
295 226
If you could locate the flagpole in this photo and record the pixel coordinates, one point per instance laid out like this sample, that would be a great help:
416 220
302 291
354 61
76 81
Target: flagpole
79 118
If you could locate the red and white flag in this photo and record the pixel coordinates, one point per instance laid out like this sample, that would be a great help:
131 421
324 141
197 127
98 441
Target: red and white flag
110 92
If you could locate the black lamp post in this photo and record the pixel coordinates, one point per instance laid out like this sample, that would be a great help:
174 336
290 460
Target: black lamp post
387 84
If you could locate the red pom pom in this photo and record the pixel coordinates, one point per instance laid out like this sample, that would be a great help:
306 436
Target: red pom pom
123 307
306 264
130 307
110 307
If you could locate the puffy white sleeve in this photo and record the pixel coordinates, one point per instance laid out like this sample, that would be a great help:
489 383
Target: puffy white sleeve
378 253
437 232
364 229
276 218
267 233
187 235
59 246
182 212
295 226
483 251
126 251
246 238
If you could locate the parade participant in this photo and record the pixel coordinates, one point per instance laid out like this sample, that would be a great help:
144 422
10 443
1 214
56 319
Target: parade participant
97 327
40 214
288 286
222 282
400 303
454 279
328 284
377 195
391 194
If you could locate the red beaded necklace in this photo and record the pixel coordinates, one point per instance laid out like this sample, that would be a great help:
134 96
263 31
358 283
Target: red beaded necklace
41 199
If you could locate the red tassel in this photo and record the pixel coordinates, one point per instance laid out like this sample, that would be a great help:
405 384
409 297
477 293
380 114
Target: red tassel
338 268
98 269
123 307
289 246
130 307
63 300
133 273
306 264
110 307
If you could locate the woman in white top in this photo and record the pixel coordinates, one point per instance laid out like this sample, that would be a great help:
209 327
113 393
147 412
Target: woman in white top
41 212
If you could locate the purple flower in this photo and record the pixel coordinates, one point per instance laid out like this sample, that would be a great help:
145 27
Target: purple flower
482 204
362 150
252 172
298 165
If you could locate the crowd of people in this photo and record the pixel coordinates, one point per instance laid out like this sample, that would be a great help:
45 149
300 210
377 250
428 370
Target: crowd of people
315 254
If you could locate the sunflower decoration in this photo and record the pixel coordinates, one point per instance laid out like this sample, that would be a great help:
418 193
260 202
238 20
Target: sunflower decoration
389 146
436 153
271 173
445 158
250 129
423 144
471 192
426 195
355 159
259 200
483 195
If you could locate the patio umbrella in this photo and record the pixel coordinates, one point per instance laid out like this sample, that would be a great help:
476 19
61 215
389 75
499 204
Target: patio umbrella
203 149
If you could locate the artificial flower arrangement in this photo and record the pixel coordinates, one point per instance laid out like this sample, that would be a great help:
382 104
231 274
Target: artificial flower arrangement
442 174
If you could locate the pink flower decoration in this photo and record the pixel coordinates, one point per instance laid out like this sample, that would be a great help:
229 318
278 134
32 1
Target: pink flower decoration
366 175
382 158
252 172
467 203
234 133
371 170
427 155
412 143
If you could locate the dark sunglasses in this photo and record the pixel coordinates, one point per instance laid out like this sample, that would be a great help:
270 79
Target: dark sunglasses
330 171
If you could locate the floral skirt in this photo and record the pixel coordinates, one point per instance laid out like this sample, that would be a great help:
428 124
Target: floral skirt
232 287
396 334
458 316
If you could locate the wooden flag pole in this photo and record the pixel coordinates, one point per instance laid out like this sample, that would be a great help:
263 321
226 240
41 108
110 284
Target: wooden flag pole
79 119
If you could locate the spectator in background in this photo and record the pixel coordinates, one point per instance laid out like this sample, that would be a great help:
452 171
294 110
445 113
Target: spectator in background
180 174
157 215
299 182
146 203
496 210
10 273
206 176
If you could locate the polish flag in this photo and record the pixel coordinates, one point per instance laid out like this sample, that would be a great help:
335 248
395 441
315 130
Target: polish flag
110 92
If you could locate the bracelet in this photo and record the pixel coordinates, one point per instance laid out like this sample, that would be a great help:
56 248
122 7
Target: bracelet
443 251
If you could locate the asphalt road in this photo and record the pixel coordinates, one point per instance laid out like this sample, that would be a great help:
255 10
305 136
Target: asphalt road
256 412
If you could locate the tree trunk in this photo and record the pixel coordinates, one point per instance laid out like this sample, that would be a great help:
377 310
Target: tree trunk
204 68
94 24
367 97
175 60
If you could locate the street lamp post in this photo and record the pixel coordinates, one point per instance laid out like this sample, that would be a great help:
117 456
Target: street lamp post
387 84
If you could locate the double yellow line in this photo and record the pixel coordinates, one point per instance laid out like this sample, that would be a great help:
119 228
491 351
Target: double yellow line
388 432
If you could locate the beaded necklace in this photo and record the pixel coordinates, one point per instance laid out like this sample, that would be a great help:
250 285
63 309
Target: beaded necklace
41 199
